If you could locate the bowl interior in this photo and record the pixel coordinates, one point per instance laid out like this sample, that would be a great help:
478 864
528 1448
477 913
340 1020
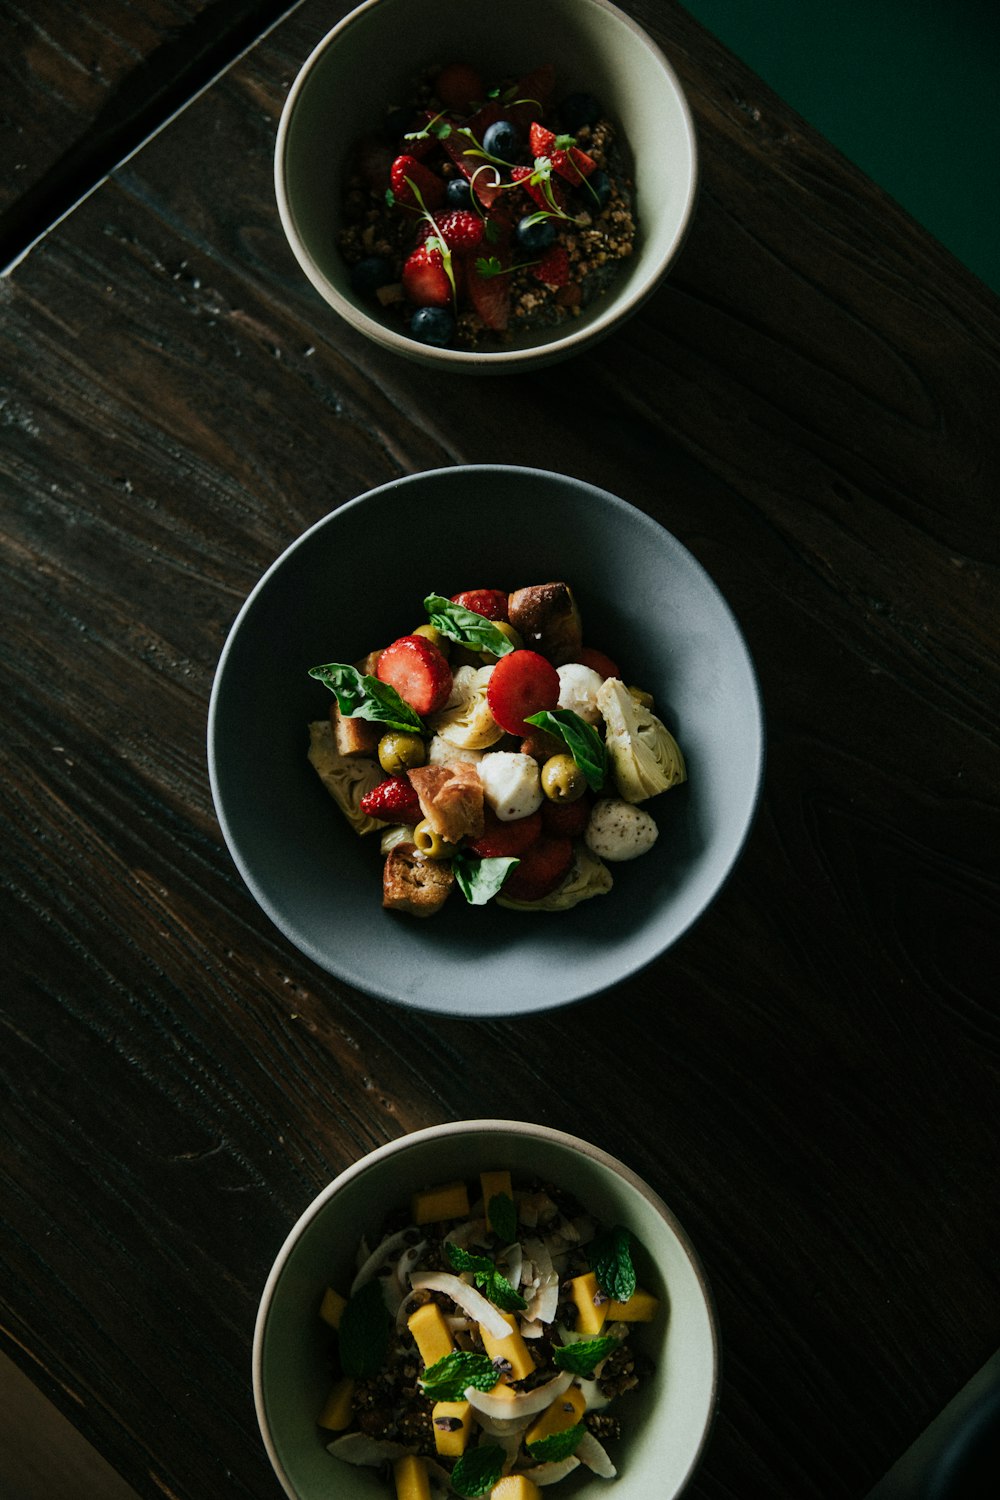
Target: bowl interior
341 89
666 1421
355 581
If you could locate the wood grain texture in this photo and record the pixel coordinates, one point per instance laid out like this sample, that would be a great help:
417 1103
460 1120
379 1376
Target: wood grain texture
809 1078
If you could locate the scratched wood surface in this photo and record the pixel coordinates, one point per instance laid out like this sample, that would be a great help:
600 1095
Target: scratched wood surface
809 1078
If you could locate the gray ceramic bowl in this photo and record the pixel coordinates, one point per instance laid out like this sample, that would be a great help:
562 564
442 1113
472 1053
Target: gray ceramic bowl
667 1421
356 580
370 58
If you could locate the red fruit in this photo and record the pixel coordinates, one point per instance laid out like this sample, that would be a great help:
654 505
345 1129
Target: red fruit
506 840
460 229
490 603
568 160
598 662
543 197
459 86
543 867
521 683
553 268
414 666
425 280
405 174
394 800
490 294
536 89
566 819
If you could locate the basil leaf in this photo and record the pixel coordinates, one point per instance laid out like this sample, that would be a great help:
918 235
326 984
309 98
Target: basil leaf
362 697
557 1445
611 1263
581 1357
364 1332
449 1378
465 627
478 1470
503 1216
491 1282
581 740
479 880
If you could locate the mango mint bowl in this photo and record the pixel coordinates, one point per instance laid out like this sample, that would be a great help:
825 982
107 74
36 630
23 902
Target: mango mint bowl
486 1308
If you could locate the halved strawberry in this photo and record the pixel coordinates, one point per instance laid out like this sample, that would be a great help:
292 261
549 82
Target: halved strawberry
506 840
566 819
488 288
414 666
521 683
490 603
394 799
543 867
553 268
598 662
425 280
562 151
543 195
460 229
405 174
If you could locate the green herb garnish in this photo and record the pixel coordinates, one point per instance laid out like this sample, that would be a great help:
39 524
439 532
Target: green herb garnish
491 1282
363 1336
611 1263
450 1377
557 1445
581 740
465 627
480 880
581 1357
478 1470
362 697
502 1214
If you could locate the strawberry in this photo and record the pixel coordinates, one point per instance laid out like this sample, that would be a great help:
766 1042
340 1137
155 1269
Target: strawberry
543 867
490 603
460 229
490 293
459 146
562 151
414 666
425 280
566 819
598 662
506 840
553 268
394 800
521 683
459 86
542 196
534 91
405 174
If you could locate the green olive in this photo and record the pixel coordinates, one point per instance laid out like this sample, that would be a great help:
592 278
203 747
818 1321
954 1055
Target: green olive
431 844
506 629
644 699
434 636
398 751
562 779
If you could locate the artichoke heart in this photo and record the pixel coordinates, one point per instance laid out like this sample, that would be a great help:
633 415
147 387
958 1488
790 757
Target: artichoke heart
466 721
588 876
346 778
645 757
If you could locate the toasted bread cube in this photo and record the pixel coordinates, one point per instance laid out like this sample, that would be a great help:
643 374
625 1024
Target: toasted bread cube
451 1201
339 1408
515 1487
565 1411
591 1313
511 1349
431 1332
413 884
451 799
412 1481
495 1185
353 736
641 1307
452 1423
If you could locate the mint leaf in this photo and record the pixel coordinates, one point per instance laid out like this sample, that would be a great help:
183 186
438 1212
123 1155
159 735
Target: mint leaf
479 880
611 1263
503 1216
363 697
581 1357
557 1445
364 1332
581 740
491 1282
478 1470
465 627
448 1378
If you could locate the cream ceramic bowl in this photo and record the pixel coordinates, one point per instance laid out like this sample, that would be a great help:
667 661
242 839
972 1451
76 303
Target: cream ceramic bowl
665 1423
369 60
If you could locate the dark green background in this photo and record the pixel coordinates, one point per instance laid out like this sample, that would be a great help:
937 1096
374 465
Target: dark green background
909 90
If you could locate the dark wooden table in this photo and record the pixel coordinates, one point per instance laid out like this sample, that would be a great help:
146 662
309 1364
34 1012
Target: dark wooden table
810 403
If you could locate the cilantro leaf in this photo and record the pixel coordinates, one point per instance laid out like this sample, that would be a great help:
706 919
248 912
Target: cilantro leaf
581 740
581 1357
363 697
611 1263
449 1378
364 1332
465 627
557 1445
479 880
478 1470
491 1282
502 1215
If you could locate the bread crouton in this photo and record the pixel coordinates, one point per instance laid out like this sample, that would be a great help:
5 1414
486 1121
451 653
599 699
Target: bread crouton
354 735
451 799
413 884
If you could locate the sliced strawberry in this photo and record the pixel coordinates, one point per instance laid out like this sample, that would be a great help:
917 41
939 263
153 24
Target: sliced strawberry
553 268
459 86
425 280
536 89
566 157
461 147
414 666
506 840
566 819
489 290
407 174
490 603
544 196
394 799
460 229
598 662
416 144
521 683
543 867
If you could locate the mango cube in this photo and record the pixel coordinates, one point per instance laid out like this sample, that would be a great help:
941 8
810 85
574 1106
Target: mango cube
332 1306
412 1481
431 1332
495 1184
515 1487
339 1408
450 1201
590 1312
641 1307
511 1348
452 1423
565 1411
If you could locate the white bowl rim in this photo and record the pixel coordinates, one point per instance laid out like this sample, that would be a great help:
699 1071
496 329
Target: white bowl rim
502 360
560 1138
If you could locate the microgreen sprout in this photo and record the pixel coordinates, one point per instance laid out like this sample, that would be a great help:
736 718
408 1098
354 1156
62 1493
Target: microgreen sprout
438 126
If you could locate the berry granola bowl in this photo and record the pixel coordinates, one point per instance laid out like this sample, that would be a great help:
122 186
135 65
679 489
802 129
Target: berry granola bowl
480 197
485 769
491 1308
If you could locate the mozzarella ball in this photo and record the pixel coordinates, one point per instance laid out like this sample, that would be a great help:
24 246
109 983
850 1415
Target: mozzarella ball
618 830
512 784
578 690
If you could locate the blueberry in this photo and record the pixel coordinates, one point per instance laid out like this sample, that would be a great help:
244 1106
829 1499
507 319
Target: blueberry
502 140
536 234
599 184
432 325
458 193
578 110
369 274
